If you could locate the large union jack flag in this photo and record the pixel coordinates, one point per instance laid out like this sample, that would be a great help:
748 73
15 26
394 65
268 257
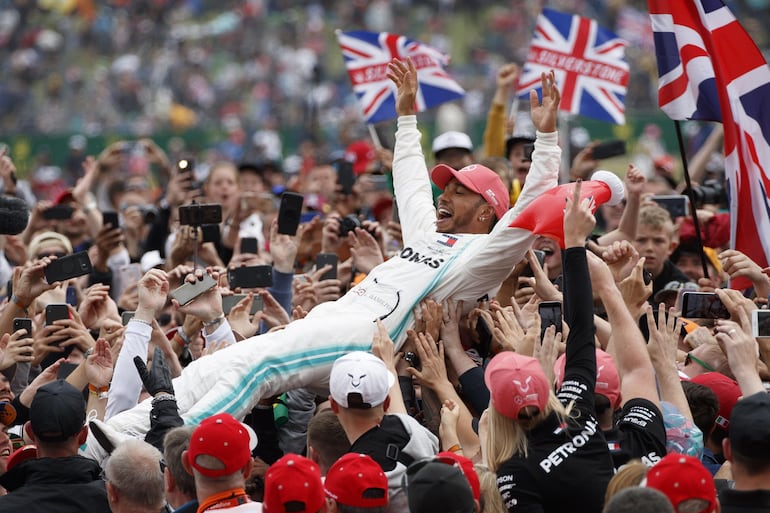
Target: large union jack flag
710 69
589 63
367 55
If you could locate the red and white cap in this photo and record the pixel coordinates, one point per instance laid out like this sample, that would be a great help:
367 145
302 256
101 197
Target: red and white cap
479 179
356 480
224 438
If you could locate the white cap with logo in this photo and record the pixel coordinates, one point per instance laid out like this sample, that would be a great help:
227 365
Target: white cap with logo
360 380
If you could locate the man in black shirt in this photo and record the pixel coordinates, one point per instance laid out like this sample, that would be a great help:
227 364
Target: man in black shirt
359 384
747 448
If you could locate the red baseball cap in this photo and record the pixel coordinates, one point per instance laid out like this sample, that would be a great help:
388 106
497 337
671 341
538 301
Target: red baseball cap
516 381
224 438
466 465
293 484
727 391
607 377
64 196
480 180
361 154
358 481
682 478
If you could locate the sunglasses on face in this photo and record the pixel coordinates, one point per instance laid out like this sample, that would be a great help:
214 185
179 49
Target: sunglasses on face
690 358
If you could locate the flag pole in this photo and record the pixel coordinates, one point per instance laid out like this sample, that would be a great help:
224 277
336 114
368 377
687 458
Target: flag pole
374 135
695 223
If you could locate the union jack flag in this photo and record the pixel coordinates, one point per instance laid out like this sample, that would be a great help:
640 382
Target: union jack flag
367 55
589 63
710 69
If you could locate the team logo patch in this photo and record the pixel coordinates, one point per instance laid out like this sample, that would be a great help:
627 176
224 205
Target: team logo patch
447 240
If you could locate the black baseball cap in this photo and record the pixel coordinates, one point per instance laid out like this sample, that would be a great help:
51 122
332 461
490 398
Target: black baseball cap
749 432
58 412
436 486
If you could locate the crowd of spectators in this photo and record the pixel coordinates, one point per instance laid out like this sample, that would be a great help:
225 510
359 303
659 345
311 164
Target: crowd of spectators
248 67
167 343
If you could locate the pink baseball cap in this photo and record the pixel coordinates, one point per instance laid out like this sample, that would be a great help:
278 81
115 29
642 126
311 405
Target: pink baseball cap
607 377
480 180
516 381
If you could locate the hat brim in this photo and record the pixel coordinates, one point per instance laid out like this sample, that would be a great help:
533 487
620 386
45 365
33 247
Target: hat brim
442 174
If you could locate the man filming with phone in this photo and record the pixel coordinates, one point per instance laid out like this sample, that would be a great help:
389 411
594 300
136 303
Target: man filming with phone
463 249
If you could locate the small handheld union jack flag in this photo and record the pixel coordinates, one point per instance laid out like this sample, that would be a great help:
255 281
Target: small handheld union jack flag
367 55
589 63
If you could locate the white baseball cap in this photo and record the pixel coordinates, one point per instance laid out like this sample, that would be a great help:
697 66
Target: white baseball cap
452 140
151 259
360 380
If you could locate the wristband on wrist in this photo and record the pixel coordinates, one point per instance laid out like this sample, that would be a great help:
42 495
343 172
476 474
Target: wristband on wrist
16 301
455 448
163 396
148 323
181 339
100 392
214 322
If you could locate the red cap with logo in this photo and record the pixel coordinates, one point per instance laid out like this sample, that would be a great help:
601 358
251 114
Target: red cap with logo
224 438
293 485
480 180
727 391
682 478
358 481
516 381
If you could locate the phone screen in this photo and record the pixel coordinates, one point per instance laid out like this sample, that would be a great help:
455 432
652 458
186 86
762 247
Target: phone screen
676 205
550 315
703 305
323 259
289 213
257 276
189 291
761 323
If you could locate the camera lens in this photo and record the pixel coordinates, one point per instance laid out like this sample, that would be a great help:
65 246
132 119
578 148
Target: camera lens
348 224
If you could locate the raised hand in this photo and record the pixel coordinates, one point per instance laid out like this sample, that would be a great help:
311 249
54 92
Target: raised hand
544 113
579 221
158 379
404 75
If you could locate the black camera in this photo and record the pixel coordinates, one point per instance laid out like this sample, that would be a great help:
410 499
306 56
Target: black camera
200 213
149 213
348 224
711 192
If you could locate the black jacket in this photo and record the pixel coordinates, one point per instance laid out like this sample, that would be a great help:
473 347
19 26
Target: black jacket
59 485
568 465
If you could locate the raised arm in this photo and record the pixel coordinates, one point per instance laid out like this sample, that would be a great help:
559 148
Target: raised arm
411 182
546 158
578 300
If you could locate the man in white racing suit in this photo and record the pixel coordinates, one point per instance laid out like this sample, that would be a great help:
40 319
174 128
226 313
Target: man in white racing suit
458 251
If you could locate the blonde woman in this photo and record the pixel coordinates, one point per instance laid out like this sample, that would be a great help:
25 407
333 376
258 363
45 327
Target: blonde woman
546 449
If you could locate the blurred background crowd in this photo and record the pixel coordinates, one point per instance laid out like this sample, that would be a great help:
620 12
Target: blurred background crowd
255 79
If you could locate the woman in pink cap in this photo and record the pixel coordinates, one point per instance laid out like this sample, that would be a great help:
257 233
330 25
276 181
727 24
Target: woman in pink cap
546 448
